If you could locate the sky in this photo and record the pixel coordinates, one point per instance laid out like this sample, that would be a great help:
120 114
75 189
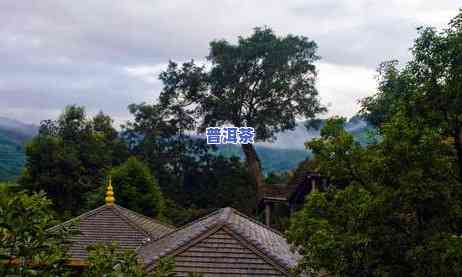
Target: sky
107 54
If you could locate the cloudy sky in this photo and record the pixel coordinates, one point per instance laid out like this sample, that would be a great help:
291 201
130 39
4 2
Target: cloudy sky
106 54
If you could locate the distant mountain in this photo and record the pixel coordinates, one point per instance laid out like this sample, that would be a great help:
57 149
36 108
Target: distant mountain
288 150
295 139
272 158
18 130
13 135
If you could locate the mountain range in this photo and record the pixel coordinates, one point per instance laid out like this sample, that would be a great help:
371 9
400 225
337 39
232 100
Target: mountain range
13 135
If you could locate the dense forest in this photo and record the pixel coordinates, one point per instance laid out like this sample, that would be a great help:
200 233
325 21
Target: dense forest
393 206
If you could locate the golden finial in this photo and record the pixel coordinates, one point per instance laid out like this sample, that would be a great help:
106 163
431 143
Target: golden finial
109 193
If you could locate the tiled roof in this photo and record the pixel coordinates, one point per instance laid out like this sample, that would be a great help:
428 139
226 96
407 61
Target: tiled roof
223 254
261 239
112 223
279 192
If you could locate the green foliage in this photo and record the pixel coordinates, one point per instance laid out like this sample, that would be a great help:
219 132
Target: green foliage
8 187
338 154
428 89
264 81
134 188
165 267
107 260
272 158
179 214
394 88
327 245
223 182
11 155
27 247
219 182
194 179
395 207
157 137
400 202
70 157
437 72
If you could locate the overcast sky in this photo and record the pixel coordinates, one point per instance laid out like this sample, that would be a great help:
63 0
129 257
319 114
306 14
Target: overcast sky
106 54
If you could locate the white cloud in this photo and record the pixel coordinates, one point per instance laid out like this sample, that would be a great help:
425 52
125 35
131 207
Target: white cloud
146 73
105 54
341 86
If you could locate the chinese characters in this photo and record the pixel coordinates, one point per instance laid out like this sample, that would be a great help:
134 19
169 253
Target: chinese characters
231 135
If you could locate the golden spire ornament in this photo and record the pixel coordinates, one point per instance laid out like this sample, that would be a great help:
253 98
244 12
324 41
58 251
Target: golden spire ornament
109 193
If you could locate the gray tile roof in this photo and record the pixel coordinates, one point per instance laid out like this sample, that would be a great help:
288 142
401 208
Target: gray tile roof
223 254
250 232
112 223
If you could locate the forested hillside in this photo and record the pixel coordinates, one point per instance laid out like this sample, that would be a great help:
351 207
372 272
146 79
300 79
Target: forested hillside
13 135
273 158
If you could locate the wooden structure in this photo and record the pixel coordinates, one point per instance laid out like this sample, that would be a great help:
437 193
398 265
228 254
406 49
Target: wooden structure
292 194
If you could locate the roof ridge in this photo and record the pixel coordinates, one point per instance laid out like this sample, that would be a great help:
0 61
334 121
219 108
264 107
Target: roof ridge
165 236
146 217
256 247
257 244
225 215
129 221
82 216
257 222
184 242
228 218
188 224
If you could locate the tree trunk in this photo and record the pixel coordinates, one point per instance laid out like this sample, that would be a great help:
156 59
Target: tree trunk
268 214
254 165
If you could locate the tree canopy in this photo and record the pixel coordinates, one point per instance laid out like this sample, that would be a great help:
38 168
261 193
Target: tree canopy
27 248
71 157
137 189
264 81
428 89
394 206
193 178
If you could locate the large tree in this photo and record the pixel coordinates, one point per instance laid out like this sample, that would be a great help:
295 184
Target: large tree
264 81
394 208
428 88
158 137
70 157
396 205
437 71
135 188
193 179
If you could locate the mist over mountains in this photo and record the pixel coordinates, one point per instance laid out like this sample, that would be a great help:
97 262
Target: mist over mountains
288 150
295 139
17 130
